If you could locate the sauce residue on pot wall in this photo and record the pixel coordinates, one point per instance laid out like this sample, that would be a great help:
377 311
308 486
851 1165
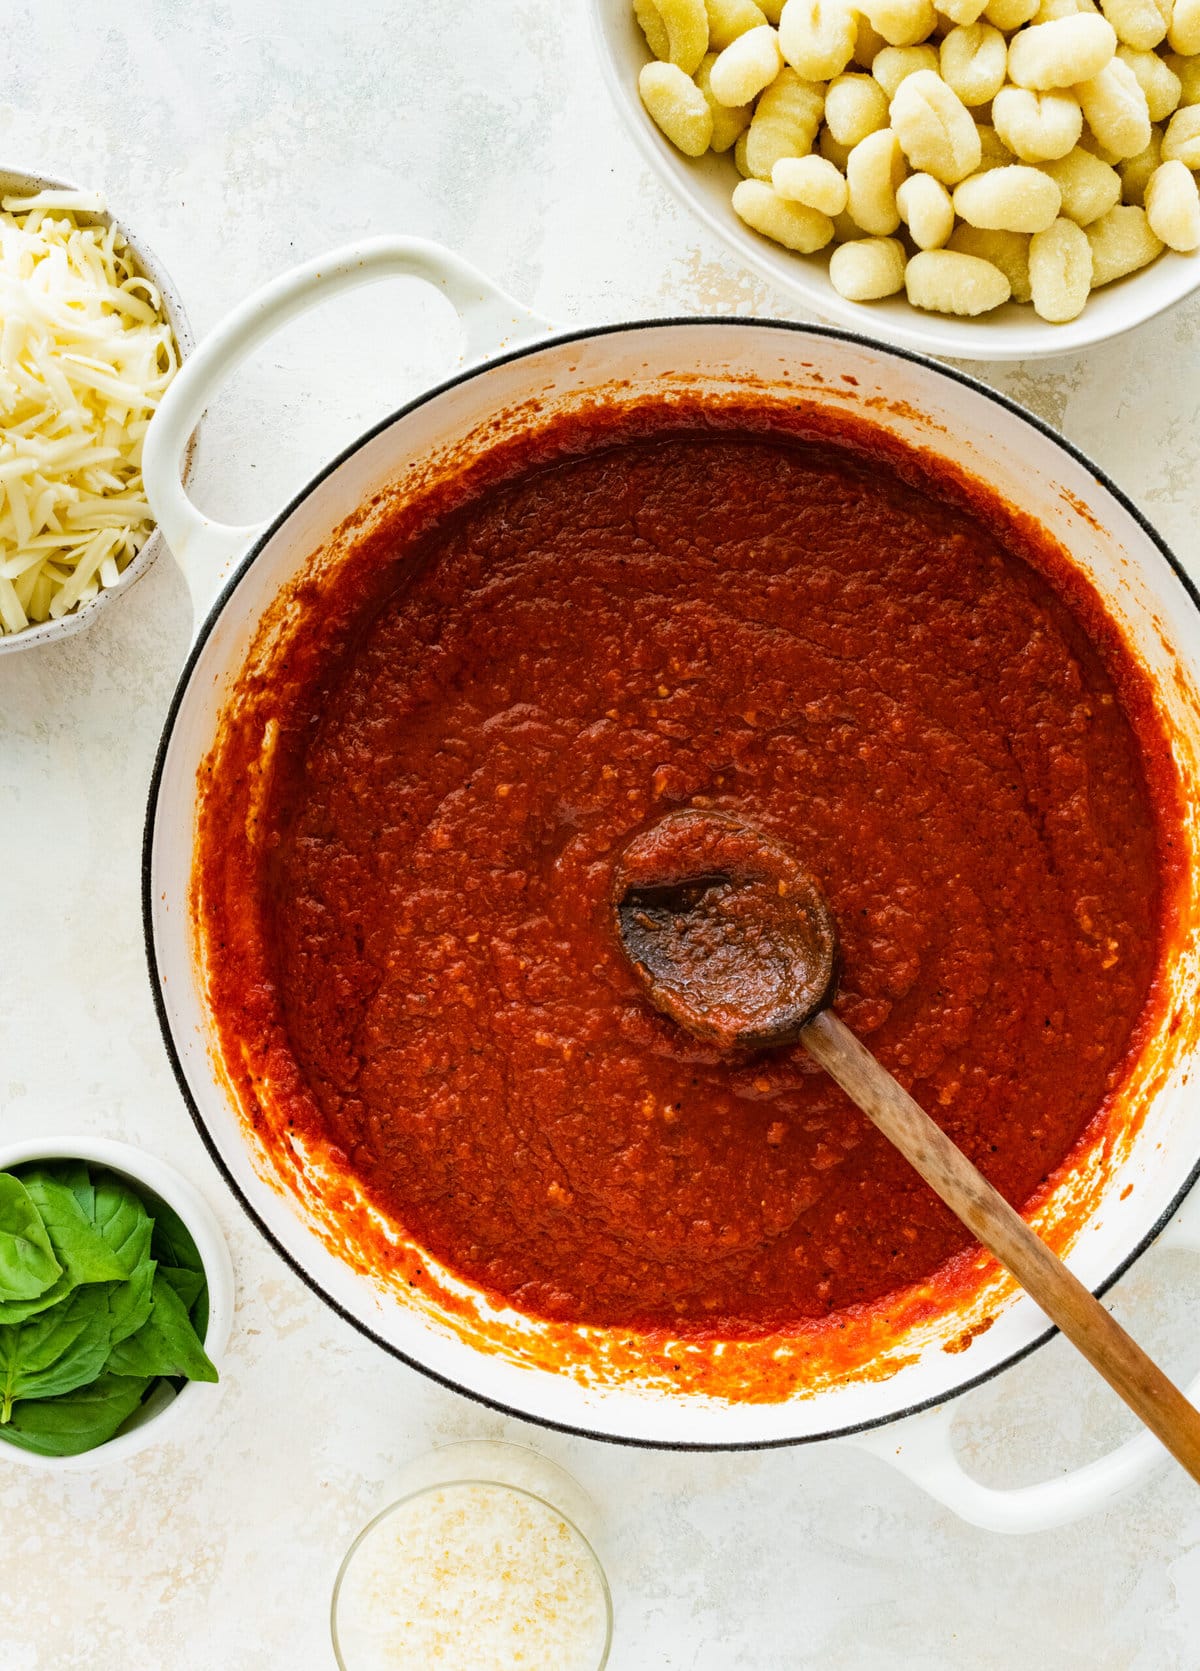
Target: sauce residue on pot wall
768 610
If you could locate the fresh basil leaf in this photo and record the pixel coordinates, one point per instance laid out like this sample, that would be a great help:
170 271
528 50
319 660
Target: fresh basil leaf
199 1313
130 1303
173 1247
27 1262
75 1174
166 1344
90 1249
172 1242
56 1351
189 1285
76 1421
122 1220
16 1311
79 1245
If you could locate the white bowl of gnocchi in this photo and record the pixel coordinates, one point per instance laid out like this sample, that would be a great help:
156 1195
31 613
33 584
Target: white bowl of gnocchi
998 182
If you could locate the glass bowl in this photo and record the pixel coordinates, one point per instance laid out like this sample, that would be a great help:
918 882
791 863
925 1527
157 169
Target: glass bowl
448 1524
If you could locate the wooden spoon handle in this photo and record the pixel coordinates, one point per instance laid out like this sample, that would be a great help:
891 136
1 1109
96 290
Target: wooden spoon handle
1156 1400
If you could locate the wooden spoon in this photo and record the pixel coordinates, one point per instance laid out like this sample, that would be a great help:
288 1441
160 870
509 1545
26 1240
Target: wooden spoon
733 939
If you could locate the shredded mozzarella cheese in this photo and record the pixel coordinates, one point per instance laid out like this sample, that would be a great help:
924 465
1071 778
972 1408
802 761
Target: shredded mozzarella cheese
85 354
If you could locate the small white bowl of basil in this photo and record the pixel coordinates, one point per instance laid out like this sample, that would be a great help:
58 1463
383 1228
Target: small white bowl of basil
116 1301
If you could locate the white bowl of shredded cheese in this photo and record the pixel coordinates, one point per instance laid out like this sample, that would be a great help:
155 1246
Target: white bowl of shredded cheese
475 1568
91 332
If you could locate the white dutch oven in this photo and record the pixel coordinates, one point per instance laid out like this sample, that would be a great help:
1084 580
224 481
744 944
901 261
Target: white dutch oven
1145 1180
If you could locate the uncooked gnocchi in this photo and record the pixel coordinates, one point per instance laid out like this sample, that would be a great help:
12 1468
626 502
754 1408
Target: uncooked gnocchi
727 19
868 43
1135 173
937 132
892 64
927 210
962 12
1157 80
1089 187
1141 24
729 121
867 269
1013 199
784 123
1115 109
1007 250
943 281
1037 127
746 66
901 22
812 180
973 61
874 170
995 153
1060 271
1173 206
832 149
1122 241
817 37
684 25
1060 54
1188 71
1183 31
678 106
983 152
1009 15
1181 142
1049 11
794 225
855 105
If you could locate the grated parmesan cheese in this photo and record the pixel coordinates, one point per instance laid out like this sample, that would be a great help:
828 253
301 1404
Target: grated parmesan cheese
85 354
471 1577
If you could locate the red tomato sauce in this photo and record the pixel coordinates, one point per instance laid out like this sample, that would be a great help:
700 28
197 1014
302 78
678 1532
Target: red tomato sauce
778 615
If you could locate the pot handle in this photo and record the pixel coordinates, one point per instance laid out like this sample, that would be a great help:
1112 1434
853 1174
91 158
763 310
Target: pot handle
206 549
921 1448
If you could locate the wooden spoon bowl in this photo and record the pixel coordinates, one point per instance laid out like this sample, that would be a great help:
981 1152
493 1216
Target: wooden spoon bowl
726 930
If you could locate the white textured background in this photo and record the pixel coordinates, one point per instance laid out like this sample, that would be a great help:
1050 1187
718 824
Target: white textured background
237 138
